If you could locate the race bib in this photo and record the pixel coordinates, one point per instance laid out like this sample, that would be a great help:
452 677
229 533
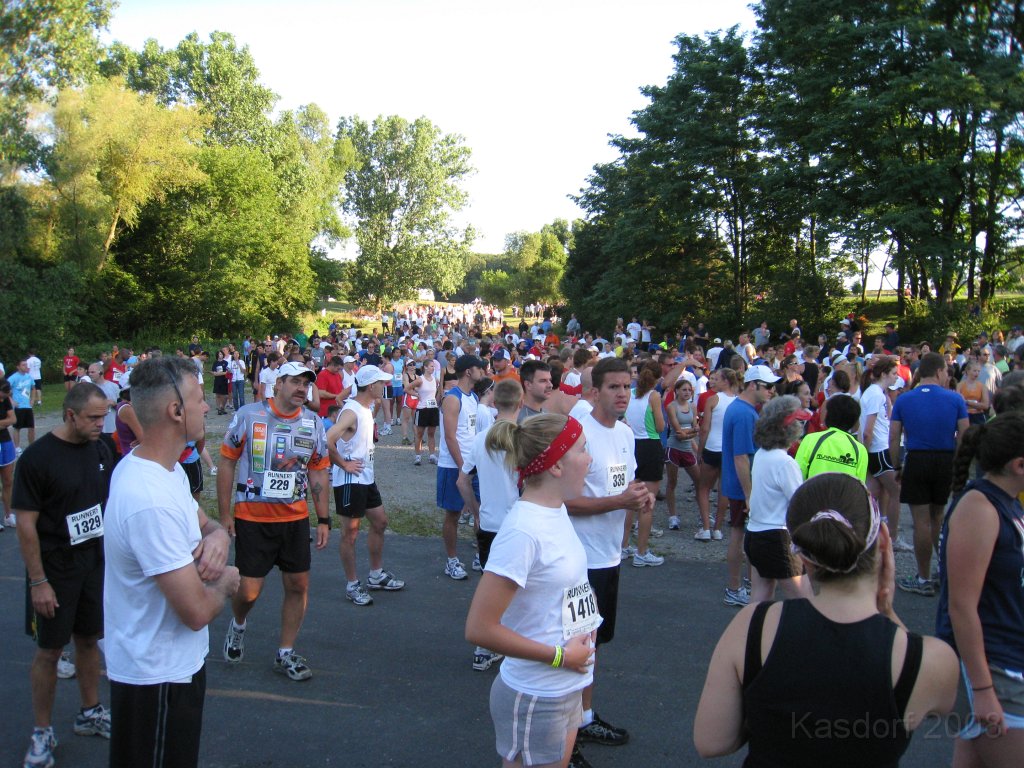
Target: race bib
472 422
579 611
369 457
616 482
430 403
85 525
278 485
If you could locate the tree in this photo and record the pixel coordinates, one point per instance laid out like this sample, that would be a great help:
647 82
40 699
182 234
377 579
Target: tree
401 196
113 152
537 262
44 45
218 78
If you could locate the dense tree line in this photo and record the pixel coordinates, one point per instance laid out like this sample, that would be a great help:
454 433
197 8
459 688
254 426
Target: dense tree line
767 168
155 193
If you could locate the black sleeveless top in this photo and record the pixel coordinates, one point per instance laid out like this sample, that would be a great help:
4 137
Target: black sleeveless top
825 694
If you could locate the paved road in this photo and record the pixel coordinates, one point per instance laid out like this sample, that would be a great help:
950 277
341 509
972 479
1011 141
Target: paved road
393 685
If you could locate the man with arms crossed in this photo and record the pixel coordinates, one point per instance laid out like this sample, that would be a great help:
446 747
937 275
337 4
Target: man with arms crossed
278 450
166 577
350 443
60 490
598 516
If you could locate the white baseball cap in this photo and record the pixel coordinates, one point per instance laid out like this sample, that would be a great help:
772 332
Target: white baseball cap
295 369
368 374
760 373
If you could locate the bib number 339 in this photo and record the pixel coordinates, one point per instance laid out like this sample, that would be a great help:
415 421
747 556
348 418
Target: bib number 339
616 482
85 525
579 611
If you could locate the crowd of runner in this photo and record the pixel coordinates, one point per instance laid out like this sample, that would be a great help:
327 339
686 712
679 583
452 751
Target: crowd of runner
554 443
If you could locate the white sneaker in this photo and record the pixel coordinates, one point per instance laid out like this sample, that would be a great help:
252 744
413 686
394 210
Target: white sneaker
385 430
213 471
417 461
10 521
628 552
716 535
65 667
901 545
432 458
673 523
647 560
702 535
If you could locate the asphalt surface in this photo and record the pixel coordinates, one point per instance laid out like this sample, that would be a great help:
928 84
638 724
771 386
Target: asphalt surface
393 683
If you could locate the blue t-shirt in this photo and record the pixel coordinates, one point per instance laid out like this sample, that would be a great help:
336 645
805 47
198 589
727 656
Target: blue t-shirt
21 389
737 439
929 415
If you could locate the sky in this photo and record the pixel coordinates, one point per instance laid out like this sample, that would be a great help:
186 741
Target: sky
535 88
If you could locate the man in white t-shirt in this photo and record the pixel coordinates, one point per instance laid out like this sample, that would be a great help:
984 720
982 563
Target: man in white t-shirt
498 490
599 514
166 577
268 376
633 329
35 370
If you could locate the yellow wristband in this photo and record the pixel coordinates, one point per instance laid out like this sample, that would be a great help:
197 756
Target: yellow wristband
559 652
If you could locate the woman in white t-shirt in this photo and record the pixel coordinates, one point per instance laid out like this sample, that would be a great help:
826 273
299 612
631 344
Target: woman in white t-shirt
774 478
534 604
724 384
875 408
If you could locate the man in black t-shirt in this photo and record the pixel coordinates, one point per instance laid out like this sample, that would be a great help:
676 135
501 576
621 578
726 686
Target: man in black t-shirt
60 490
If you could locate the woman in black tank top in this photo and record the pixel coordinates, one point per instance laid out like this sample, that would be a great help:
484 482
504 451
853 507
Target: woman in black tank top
833 680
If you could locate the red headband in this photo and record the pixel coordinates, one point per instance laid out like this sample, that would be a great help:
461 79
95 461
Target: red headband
547 458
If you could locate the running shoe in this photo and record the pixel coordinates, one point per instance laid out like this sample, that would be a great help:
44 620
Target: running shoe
647 560
358 595
628 552
466 518
600 732
716 535
577 760
416 462
747 586
901 545
455 569
10 521
385 430
477 565
656 532
432 458
673 523
482 661
294 666
234 644
385 581
738 597
40 749
917 586
213 471
702 535
65 667
93 722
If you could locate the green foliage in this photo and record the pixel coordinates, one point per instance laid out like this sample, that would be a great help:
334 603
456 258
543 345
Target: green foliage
41 305
222 253
218 77
44 45
401 195
114 151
